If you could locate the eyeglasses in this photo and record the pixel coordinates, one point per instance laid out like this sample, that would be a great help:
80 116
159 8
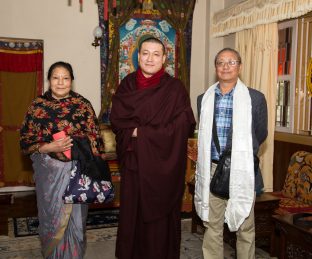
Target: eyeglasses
231 63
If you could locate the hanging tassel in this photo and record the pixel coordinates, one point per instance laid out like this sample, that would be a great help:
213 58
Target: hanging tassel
81 3
140 4
105 11
69 2
115 7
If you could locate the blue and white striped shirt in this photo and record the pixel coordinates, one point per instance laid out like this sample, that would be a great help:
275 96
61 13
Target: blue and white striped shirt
223 117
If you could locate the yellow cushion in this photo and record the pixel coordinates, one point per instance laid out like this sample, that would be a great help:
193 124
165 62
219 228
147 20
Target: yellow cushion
299 176
290 184
304 184
109 140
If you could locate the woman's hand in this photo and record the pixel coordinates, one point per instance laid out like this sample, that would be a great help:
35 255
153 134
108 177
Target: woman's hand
135 133
56 146
109 156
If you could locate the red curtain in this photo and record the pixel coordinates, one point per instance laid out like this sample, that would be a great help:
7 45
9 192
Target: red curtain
21 80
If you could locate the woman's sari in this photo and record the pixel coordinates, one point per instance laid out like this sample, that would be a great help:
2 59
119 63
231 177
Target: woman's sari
61 226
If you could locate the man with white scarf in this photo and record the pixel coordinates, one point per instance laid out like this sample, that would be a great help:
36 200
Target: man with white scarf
240 115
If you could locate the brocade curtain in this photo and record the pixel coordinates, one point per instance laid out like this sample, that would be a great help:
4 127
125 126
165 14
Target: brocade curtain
118 14
258 48
20 81
177 12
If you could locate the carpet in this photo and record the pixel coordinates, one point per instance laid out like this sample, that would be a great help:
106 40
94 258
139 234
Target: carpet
101 245
96 219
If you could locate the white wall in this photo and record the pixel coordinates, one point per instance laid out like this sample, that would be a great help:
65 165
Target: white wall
215 44
204 49
67 36
199 57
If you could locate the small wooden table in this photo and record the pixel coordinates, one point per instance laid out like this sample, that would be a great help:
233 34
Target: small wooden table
292 240
24 203
265 206
19 204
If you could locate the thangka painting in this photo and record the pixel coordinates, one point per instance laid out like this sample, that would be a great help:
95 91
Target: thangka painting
130 34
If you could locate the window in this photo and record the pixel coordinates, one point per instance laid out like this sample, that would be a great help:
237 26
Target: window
303 97
294 95
284 111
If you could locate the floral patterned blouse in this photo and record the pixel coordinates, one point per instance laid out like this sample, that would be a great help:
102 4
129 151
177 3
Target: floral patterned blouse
47 115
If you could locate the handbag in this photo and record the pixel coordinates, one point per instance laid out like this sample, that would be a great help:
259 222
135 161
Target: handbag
90 178
83 189
220 182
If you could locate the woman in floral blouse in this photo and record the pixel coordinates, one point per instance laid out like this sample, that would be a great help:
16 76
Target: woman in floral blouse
61 226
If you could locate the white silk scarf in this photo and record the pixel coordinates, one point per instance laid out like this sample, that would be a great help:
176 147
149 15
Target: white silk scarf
242 165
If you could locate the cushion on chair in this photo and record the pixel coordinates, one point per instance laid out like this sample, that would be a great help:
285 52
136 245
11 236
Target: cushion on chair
109 140
290 184
304 187
291 205
298 182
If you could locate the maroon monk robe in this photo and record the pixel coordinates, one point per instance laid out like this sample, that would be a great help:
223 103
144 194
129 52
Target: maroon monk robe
152 166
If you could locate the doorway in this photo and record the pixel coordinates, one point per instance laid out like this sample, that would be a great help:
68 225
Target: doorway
21 80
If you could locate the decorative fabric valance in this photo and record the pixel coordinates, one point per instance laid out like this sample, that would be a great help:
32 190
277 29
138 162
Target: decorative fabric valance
251 13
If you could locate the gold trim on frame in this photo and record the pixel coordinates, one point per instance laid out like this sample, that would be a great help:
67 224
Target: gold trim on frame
309 77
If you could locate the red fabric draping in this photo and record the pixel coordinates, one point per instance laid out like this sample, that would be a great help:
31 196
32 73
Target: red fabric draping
105 11
18 62
147 82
